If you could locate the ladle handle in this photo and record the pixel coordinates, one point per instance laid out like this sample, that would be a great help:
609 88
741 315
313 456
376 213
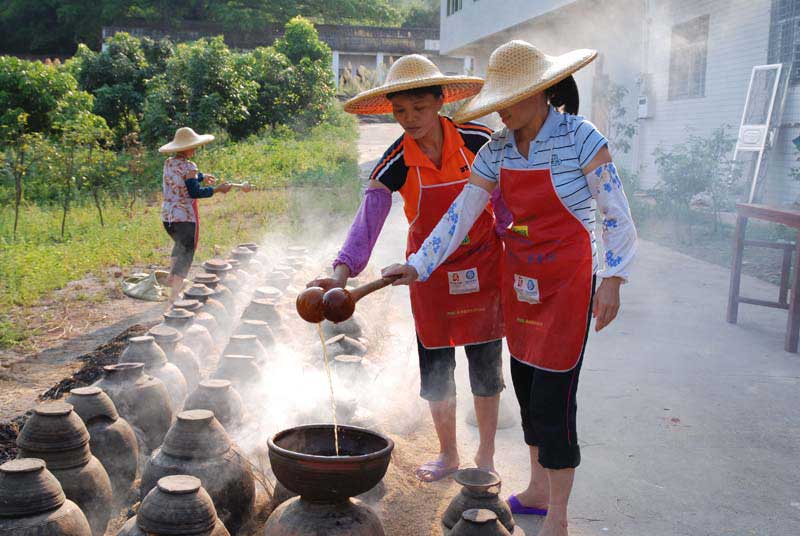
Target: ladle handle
369 288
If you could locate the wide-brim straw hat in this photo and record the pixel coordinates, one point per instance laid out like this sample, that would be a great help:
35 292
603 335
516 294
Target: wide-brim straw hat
518 70
412 72
185 139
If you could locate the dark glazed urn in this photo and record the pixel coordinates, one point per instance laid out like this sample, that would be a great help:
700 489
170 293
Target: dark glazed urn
145 350
169 340
142 400
178 505
32 503
112 439
55 434
197 445
219 397
480 490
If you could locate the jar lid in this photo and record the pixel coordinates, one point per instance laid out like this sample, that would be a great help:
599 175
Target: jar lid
28 488
217 265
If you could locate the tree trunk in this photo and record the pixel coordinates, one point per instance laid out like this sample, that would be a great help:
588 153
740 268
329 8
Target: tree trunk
97 204
68 188
18 189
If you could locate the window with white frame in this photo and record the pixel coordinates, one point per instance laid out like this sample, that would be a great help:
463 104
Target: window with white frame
784 36
453 6
688 57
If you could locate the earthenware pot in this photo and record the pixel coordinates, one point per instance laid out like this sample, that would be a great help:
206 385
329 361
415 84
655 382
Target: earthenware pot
112 439
197 445
202 319
224 294
480 490
242 371
178 505
264 310
197 337
55 434
169 340
260 329
142 400
352 327
32 503
219 397
246 345
213 307
224 270
477 522
145 350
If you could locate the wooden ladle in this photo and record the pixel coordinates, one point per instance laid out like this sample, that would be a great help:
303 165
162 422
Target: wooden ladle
337 304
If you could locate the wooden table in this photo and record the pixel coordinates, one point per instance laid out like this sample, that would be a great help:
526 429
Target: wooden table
783 216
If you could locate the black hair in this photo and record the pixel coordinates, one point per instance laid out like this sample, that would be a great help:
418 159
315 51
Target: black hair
436 91
565 94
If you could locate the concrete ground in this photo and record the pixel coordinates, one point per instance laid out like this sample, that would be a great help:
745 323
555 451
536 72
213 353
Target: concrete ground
688 425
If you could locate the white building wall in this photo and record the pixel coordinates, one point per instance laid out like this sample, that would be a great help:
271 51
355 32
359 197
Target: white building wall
738 38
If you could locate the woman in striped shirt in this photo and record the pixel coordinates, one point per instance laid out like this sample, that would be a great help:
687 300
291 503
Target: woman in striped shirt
553 168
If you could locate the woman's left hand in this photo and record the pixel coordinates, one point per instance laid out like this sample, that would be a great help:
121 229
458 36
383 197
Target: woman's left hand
210 179
408 274
606 302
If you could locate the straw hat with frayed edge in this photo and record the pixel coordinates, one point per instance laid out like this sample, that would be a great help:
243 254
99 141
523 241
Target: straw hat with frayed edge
185 138
516 71
412 72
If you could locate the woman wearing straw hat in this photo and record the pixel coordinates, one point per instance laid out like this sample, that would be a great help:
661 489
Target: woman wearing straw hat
179 211
552 168
460 304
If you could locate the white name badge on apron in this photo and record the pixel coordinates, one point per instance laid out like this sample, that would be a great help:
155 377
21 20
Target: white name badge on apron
464 281
527 289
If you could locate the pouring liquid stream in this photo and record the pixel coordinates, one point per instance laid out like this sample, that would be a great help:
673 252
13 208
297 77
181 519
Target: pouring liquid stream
330 384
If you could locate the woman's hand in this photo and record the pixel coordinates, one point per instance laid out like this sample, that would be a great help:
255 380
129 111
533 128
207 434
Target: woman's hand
222 187
408 274
210 179
606 302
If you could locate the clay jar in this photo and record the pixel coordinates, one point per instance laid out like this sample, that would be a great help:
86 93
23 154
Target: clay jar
202 318
197 445
223 293
352 327
239 272
264 310
478 522
342 344
177 505
145 350
213 307
242 371
55 434
278 279
246 345
195 336
223 269
32 503
350 370
245 257
169 340
219 397
481 489
112 439
260 329
142 400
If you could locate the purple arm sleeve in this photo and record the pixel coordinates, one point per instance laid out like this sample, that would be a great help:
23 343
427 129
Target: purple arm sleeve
503 217
364 231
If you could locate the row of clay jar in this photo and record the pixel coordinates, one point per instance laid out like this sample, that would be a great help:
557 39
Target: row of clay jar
65 438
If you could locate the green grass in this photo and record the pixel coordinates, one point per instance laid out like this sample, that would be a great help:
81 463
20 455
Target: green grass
40 261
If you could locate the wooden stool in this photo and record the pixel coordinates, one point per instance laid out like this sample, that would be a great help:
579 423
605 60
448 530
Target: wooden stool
783 216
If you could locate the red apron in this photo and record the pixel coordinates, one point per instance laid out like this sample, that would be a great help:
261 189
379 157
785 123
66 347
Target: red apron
196 209
547 276
461 301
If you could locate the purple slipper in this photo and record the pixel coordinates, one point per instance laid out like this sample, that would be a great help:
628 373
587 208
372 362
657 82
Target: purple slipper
434 471
520 509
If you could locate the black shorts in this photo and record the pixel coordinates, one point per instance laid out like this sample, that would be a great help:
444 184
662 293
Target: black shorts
548 408
182 233
437 370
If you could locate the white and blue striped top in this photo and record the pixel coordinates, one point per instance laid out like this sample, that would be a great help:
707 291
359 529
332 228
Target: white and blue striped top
566 143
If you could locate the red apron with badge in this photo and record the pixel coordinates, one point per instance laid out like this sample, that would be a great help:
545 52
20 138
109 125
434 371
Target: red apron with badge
547 276
461 301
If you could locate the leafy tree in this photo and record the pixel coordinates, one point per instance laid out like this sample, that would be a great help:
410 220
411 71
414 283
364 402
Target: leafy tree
423 14
201 87
19 156
33 88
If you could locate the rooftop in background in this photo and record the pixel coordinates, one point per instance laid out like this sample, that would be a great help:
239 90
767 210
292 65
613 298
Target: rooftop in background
366 39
